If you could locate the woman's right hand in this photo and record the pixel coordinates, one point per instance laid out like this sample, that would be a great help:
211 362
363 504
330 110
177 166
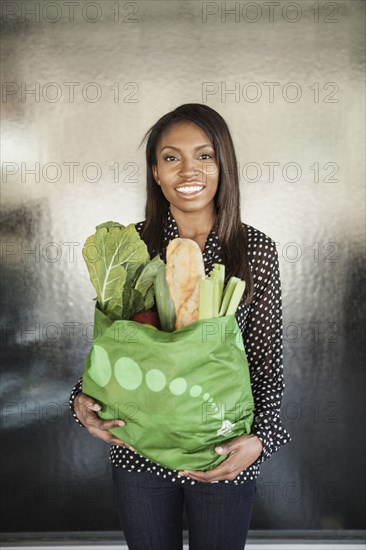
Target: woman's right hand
85 407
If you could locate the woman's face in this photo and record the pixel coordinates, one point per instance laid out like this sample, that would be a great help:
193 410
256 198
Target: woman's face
187 167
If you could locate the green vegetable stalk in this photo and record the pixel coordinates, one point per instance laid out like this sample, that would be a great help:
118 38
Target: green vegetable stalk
205 306
217 276
236 296
164 303
215 301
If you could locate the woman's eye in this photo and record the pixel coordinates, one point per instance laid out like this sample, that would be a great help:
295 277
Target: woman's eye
202 155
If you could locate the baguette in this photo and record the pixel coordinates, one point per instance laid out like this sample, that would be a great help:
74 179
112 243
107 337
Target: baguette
184 269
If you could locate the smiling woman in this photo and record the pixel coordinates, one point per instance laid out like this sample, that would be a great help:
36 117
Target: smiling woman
192 145
189 177
193 192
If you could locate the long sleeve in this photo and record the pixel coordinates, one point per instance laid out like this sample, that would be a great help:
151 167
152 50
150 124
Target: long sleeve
263 336
75 391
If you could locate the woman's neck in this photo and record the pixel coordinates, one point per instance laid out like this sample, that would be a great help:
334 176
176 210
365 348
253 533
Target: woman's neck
194 225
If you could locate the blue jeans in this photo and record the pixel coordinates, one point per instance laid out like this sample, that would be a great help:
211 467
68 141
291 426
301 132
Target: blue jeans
150 511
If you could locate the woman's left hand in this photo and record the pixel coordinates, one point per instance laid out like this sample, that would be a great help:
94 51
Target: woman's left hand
243 450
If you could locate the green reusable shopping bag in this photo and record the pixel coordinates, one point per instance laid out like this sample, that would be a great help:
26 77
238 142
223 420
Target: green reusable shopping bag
181 393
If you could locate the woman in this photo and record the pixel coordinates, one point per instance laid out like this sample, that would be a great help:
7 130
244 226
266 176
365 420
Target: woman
193 192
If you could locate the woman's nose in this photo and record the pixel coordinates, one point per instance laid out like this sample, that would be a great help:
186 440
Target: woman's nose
188 167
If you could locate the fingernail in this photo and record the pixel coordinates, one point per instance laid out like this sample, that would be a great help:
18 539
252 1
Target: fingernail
121 423
219 449
96 407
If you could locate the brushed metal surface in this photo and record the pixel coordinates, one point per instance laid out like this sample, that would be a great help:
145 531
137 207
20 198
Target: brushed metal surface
159 54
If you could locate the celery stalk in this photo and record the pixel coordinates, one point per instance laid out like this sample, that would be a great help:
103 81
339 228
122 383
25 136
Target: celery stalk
236 297
215 297
218 274
205 307
229 289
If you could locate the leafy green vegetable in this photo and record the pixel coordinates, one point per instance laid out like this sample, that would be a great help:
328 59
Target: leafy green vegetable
132 302
120 269
145 281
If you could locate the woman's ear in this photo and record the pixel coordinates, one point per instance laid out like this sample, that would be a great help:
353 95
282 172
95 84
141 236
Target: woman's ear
155 173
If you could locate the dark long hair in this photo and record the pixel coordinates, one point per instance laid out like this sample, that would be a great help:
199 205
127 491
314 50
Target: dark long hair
231 233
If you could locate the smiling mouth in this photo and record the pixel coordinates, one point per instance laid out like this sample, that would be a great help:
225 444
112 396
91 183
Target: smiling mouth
189 189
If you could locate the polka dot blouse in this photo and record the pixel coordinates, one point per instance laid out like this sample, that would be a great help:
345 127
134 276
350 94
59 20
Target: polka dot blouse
261 326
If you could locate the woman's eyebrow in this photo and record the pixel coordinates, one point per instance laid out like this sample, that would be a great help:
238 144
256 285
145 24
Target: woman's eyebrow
177 148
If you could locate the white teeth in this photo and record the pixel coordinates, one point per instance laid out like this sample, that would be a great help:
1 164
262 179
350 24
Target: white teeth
190 189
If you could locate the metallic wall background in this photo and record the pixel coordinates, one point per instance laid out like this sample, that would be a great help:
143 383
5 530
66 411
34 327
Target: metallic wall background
289 81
